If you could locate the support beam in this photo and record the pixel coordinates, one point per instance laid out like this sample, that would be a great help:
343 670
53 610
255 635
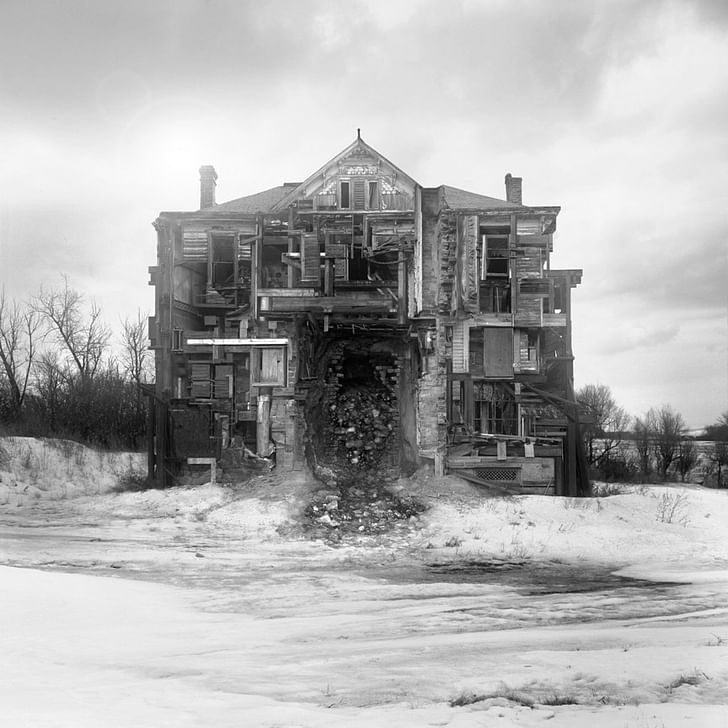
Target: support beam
263 441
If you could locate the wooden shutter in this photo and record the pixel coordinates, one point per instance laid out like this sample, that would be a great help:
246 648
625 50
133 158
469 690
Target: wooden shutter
310 257
498 352
194 245
223 383
200 381
359 193
459 360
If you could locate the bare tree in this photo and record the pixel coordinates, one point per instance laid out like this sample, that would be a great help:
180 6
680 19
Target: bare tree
687 457
18 340
718 432
643 444
135 354
606 422
720 457
82 334
667 429
49 382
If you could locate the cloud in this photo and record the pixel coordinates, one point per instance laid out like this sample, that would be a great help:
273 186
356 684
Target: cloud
613 110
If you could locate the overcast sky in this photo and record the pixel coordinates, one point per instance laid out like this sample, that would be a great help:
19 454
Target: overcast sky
615 110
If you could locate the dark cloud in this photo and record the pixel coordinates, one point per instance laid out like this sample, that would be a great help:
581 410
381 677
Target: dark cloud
710 11
542 63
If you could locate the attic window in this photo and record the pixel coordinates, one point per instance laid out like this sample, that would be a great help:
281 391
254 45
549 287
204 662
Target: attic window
344 196
373 201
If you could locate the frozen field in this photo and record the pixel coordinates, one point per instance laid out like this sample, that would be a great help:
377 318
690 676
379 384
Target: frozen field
211 606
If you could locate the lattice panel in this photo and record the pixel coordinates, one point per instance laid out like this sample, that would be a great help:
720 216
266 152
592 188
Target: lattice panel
491 475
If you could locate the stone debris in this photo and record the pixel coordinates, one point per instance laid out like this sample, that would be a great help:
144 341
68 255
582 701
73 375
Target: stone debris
364 506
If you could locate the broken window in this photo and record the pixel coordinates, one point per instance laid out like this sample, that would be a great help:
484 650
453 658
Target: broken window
495 297
494 260
222 261
495 284
494 408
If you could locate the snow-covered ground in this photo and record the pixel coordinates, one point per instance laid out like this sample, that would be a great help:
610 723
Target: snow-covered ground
210 606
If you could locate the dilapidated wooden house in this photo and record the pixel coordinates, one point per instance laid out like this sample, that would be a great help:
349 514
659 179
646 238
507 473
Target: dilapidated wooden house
357 320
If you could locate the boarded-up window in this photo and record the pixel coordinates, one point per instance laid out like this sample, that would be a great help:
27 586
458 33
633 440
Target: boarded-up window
498 352
495 409
269 366
200 381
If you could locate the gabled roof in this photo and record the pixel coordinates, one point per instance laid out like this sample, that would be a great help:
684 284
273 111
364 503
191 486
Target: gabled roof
259 202
457 199
357 147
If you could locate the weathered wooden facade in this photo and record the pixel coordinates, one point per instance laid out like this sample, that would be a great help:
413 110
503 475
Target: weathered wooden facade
359 318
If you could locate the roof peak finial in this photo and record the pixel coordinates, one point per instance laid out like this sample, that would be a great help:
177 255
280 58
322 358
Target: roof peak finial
358 133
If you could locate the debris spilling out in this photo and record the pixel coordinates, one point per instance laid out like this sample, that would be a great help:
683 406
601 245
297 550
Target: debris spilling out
364 506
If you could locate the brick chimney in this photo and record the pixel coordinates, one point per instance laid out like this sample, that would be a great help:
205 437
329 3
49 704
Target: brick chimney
208 180
514 189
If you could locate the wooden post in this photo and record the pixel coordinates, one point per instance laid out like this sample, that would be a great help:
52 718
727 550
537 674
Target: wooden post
402 290
571 435
559 485
329 276
151 430
440 457
290 273
163 446
263 444
512 273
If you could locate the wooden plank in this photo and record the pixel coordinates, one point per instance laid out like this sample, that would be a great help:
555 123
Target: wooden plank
332 304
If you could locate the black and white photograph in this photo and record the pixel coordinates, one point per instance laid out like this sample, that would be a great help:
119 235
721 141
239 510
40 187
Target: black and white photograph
364 363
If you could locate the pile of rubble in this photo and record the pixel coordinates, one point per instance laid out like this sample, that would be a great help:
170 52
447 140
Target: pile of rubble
362 422
365 506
